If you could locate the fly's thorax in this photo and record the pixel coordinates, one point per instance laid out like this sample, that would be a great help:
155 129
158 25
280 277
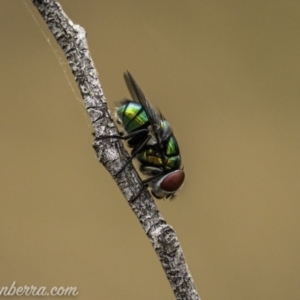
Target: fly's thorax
166 130
150 156
152 140
167 185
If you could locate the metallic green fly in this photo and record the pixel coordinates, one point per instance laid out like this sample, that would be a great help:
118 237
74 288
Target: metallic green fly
152 141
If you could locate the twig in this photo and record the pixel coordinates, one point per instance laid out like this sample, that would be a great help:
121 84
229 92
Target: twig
111 153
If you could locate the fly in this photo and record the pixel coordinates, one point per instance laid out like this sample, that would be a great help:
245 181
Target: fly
152 141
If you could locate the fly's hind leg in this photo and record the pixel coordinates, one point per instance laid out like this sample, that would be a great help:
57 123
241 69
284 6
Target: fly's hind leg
145 183
134 153
122 137
141 132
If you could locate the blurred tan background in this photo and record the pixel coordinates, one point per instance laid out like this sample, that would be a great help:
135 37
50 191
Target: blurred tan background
226 75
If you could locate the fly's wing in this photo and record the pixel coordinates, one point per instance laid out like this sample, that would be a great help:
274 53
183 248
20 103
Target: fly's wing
138 96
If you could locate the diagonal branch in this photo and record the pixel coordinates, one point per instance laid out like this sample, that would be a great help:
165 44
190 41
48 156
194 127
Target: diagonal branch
111 153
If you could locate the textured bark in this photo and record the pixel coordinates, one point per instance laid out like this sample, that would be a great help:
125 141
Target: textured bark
111 153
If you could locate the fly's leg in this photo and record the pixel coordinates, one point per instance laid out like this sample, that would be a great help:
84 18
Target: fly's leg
125 137
145 185
134 153
146 181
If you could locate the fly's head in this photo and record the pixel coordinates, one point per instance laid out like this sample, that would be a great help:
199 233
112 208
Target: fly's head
167 185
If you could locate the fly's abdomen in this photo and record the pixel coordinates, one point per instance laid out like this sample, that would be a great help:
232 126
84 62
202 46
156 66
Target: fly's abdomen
132 116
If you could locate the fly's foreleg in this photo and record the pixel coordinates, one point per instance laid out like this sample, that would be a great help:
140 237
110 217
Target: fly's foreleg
134 153
145 185
122 137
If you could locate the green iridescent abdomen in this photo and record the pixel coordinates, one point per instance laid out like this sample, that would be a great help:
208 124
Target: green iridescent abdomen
132 116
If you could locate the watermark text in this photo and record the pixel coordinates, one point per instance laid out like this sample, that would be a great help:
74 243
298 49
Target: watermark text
31 290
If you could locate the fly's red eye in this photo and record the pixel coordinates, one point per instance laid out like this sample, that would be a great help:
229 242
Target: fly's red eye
173 181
